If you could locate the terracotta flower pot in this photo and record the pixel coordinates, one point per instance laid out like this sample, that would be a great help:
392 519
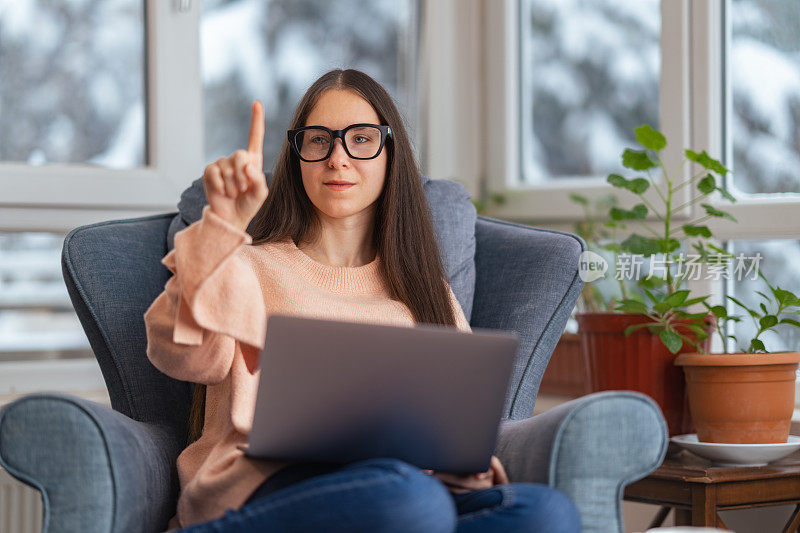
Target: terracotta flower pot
741 398
640 362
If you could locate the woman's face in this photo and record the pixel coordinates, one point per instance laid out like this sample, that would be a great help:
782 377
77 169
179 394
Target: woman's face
336 109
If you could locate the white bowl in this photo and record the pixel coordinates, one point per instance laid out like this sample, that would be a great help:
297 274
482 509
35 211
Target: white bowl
723 454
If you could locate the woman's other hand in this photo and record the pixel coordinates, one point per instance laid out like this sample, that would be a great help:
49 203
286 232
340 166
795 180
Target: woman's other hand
458 484
235 186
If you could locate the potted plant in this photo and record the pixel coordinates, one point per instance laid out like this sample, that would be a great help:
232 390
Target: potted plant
633 346
745 397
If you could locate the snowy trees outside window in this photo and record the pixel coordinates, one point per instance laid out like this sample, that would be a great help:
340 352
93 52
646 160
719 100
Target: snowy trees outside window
764 64
274 50
590 73
72 82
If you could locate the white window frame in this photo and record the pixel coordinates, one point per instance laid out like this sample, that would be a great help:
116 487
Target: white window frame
59 197
549 202
691 112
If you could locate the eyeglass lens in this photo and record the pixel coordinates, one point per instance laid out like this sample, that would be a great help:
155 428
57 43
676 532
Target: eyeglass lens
363 142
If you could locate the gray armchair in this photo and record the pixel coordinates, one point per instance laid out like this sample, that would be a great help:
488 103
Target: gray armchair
108 470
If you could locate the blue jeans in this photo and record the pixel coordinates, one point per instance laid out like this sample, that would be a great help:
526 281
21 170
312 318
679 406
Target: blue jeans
390 495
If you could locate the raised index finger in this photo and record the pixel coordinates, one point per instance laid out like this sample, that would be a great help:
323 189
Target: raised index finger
255 144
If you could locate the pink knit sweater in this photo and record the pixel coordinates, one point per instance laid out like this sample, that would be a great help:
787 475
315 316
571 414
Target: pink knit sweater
222 291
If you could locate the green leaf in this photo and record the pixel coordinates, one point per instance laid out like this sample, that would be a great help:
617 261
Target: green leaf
726 194
693 301
636 244
719 311
652 282
661 307
636 327
668 245
707 184
756 346
650 138
693 230
498 198
697 317
637 160
790 321
740 304
636 186
763 308
632 306
767 298
638 212
677 298
578 199
785 297
720 251
768 321
671 340
706 161
714 212
616 180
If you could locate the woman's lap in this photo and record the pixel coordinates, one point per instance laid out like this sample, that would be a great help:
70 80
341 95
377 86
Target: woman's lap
390 495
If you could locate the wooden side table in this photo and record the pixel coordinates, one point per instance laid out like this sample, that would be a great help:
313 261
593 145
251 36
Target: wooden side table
697 491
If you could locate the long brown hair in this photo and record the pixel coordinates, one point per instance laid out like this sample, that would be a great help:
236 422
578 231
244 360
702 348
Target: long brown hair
403 234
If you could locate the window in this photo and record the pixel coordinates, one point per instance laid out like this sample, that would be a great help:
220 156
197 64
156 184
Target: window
72 83
589 75
37 320
274 50
761 124
112 129
577 77
97 121
778 260
765 118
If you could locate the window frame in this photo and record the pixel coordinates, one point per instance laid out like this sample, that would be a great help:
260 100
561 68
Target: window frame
692 108
549 200
59 197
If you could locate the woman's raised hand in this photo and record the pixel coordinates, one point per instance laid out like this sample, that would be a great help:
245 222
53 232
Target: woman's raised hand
235 185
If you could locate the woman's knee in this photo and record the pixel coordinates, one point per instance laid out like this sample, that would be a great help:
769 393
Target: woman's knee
413 501
546 508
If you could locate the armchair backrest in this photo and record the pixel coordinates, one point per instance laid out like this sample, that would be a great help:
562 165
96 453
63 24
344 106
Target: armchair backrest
113 273
526 281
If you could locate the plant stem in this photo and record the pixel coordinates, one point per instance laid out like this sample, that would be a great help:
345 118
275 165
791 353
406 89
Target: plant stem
690 179
693 222
690 202
648 228
667 217
653 183
653 209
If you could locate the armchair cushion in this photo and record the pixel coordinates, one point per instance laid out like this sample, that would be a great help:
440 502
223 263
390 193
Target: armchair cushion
453 218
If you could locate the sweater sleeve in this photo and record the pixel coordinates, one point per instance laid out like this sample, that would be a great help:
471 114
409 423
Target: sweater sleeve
213 300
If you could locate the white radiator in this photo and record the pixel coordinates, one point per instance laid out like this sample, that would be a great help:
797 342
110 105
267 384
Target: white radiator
20 506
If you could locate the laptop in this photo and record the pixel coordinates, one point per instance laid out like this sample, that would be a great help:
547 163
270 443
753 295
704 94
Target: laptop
337 391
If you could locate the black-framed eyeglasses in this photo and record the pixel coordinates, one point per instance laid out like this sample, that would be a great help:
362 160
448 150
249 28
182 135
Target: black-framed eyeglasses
360 141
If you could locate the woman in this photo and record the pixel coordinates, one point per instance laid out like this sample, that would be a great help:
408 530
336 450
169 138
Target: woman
344 233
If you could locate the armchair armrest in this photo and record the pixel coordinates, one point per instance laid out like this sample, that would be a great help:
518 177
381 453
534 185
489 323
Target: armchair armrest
97 469
589 448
